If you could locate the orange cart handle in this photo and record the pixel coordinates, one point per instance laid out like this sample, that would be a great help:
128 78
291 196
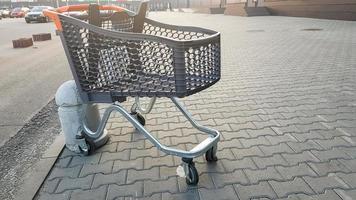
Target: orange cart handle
81 7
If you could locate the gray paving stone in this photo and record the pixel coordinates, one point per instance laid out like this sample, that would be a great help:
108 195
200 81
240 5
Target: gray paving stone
121 138
141 153
329 194
256 176
233 143
247 152
221 154
299 147
248 118
280 148
348 131
165 141
149 174
107 156
294 159
286 129
166 172
284 188
82 160
159 161
47 196
222 121
291 172
263 189
274 140
261 132
313 126
134 190
235 135
350 164
346 194
104 168
72 172
50 186
121 146
93 194
216 167
225 193
325 168
226 127
109 147
184 139
118 178
190 194
330 154
169 185
303 137
239 127
205 181
350 151
222 179
63 162
157 196
76 183
66 152
231 165
247 143
320 184
348 178
264 124
329 134
336 142
264 162
135 164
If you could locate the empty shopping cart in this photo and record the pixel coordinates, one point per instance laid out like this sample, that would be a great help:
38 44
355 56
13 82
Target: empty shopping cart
115 53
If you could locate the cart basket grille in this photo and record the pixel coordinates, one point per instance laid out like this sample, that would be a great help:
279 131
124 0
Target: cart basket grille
110 61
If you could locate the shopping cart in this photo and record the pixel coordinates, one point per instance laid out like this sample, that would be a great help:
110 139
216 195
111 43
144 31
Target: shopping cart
114 54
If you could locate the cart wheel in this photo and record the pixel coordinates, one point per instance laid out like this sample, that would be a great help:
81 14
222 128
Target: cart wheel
210 155
90 148
192 176
139 118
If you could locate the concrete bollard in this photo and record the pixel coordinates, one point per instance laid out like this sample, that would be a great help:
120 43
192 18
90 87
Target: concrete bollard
71 113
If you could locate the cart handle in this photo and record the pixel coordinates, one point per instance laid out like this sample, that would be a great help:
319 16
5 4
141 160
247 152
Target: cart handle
81 7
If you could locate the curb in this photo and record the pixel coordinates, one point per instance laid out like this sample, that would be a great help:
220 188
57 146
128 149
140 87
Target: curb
38 173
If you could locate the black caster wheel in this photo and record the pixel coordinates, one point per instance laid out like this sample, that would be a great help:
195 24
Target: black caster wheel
139 118
192 176
191 173
210 155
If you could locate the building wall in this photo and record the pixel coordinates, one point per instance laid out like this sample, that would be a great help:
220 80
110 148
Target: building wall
325 9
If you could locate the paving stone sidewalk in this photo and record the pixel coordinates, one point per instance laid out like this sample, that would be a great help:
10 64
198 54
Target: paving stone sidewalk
285 106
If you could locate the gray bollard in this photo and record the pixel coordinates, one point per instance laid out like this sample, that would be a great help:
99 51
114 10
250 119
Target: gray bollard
71 113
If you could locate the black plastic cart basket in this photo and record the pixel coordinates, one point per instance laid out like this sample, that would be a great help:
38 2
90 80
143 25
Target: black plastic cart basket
115 53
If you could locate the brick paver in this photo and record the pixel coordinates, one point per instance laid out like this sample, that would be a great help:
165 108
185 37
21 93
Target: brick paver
285 106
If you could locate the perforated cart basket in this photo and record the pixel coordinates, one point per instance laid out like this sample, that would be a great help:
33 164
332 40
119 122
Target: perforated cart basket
115 53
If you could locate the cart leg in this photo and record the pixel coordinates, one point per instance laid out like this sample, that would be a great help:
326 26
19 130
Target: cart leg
137 106
191 173
210 155
139 118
